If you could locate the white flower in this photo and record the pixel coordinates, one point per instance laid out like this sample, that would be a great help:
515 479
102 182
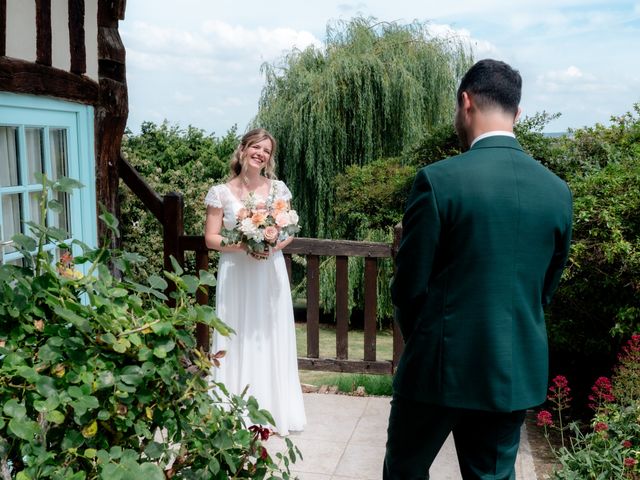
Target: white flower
247 227
293 217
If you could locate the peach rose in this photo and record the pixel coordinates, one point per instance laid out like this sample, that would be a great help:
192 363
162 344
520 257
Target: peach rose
280 206
282 219
258 218
271 234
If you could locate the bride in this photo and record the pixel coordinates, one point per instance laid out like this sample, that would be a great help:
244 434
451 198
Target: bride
252 293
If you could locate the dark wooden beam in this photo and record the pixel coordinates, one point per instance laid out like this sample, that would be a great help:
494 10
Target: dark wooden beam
350 366
151 199
203 340
370 307
313 306
342 307
43 32
20 76
315 246
188 243
77 37
3 28
112 110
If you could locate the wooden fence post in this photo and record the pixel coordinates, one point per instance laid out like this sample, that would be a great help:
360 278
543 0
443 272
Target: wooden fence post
173 223
398 342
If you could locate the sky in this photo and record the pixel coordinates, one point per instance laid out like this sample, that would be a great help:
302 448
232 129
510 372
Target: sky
198 62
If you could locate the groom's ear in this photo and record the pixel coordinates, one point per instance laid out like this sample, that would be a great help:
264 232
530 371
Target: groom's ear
515 120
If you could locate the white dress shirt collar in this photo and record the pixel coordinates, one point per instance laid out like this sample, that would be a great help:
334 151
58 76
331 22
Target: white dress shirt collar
492 133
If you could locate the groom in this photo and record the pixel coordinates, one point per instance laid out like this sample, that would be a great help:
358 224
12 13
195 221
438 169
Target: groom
486 235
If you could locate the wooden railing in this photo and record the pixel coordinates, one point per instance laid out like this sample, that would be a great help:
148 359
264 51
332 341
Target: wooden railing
169 210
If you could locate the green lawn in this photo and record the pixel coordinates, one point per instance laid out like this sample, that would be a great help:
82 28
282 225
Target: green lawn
347 382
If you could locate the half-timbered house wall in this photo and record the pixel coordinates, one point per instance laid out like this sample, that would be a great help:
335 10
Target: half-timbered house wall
63 109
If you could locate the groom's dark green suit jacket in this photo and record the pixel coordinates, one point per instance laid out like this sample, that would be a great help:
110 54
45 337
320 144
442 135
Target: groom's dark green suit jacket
486 235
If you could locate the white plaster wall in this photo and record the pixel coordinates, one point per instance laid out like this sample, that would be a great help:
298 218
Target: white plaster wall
21 29
91 37
21 33
60 56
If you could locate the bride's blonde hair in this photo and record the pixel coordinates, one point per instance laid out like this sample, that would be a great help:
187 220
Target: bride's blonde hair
252 137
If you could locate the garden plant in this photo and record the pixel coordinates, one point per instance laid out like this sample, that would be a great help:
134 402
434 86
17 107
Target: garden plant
100 376
609 446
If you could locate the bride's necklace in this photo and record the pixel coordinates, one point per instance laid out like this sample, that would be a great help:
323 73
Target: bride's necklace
246 184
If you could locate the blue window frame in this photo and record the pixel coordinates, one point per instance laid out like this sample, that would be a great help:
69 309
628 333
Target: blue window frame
55 137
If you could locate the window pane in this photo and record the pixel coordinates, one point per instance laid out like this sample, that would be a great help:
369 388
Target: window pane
18 262
34 206
34 153
58 147
10 219
59 168
9 173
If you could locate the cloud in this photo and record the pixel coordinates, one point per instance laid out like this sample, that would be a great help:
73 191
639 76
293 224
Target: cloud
351 7
481 48
215 46
573 80
182 98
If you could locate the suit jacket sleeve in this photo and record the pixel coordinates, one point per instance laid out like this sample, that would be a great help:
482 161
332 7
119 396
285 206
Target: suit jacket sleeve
415 257
559 259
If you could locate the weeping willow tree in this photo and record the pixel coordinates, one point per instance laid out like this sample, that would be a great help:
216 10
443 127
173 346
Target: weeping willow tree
371 92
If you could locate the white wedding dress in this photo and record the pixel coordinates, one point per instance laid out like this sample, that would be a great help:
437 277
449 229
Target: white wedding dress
254 298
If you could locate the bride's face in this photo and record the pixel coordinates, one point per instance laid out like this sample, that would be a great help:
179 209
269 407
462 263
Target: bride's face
257 155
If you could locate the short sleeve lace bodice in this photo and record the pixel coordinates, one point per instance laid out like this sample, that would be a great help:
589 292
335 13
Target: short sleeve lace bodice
213 197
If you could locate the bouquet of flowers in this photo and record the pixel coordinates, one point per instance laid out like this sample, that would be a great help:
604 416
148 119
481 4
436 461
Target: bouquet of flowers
261 225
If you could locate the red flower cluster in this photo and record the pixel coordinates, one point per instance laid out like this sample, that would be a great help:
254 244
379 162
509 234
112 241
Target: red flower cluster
260 431
630 462
602 393
545 419
560 391
631 351
627 444
601 427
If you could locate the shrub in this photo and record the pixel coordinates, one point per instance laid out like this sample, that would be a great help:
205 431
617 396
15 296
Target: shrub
101 378
170 160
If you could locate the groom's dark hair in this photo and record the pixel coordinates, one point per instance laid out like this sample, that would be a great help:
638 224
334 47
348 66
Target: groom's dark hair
492 83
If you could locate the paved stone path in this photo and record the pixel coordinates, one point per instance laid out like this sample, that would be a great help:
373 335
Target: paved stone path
345 437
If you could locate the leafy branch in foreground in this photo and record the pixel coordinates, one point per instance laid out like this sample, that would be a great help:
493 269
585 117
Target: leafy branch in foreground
100 378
